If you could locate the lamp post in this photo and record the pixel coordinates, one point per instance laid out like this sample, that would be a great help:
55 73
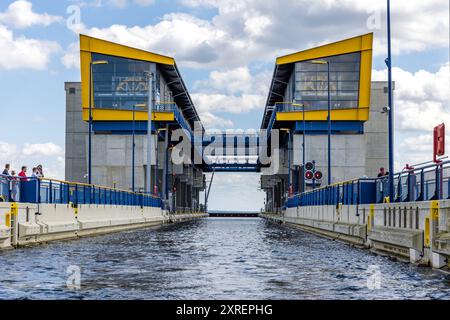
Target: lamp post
289 155
329 115
150 75
303 149
391 106
91 85
142 105
156 161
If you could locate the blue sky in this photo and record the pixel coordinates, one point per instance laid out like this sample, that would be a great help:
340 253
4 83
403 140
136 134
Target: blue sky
226 52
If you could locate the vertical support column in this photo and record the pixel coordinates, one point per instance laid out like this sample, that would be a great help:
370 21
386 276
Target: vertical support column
151 101
166 164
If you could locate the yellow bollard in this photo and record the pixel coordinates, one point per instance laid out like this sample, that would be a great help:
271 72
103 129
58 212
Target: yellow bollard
371 217
435 210
8 220
14 209
431 221
427 231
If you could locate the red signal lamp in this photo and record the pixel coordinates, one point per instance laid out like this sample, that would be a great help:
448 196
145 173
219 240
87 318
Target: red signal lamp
318 175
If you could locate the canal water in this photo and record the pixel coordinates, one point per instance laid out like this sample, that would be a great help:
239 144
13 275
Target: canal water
214 258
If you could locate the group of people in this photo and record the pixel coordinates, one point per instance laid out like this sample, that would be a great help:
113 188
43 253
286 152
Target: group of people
37 172
11 187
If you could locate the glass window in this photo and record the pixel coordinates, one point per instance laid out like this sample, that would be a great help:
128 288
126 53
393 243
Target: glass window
121 83
311 87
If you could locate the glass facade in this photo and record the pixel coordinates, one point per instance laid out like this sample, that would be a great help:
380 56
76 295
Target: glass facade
311 82
121 83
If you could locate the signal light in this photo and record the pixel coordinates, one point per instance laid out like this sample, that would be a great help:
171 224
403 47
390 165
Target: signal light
318 175
309 175
309 166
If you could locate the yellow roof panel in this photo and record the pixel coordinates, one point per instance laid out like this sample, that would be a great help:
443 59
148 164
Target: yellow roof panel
94 45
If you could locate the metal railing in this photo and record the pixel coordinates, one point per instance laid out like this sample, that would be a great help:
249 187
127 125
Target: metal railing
37 190
282 107
426 183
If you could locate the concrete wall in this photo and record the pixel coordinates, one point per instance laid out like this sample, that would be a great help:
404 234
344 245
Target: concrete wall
353 155
36 223
347 154
76 132
376 130
416 231
112 160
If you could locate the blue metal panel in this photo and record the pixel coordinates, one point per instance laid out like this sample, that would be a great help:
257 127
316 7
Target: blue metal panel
29 191
321 127
367 192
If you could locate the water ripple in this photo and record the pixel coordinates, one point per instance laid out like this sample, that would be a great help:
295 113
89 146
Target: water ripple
212 259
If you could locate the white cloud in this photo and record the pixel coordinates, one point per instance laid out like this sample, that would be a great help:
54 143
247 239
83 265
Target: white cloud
119 3
144 2
210 120
233 91
22 52
421 98
236 191
218 102
50 155
71 57
115 3
253 30
422 101
20 15
42 149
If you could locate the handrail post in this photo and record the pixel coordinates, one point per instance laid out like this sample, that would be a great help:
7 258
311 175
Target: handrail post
51 192
76 194
438 186
68 192
38 190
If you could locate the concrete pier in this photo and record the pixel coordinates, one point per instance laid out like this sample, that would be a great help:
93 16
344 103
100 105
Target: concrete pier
418 232
28 223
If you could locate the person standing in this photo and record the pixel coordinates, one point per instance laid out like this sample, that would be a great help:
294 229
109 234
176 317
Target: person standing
40 171
14 187
382 173
35 173
6 170
23 174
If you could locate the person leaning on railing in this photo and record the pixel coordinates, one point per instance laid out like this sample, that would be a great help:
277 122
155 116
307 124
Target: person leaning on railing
40 171
14 195
6 170
23 174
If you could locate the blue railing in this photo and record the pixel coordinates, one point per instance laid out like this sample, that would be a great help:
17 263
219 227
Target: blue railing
172 107
282 107
426 183
34 190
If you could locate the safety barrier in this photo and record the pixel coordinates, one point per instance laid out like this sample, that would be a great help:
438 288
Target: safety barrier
431 182
36 190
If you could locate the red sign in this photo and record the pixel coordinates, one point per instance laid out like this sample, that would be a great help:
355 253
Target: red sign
438 142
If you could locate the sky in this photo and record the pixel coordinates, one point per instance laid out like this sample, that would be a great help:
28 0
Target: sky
225 50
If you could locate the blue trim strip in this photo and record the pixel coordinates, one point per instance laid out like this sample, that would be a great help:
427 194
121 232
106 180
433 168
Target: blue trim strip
122 127
321 127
